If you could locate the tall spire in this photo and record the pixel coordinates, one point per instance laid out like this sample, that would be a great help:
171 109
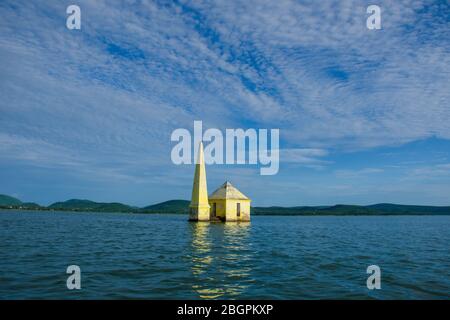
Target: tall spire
199 207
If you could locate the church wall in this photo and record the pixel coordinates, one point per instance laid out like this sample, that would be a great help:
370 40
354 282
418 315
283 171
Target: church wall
231 210
199 213
220 207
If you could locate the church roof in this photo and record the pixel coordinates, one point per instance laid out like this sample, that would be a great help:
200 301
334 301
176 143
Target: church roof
227 191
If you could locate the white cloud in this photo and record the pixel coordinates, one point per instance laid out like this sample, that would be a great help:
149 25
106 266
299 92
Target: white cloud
307 156
116 89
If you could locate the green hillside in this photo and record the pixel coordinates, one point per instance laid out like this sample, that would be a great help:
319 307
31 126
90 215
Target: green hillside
74 204
9 201
371 210
87 205
182 207
171 206
319 210
31 206
390 208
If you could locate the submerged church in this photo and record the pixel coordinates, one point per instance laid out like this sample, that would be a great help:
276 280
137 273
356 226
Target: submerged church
225 204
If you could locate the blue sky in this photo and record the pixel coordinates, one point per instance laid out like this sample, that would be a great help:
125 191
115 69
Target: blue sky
364 115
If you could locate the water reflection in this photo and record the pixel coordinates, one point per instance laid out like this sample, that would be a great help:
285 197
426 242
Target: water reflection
220 259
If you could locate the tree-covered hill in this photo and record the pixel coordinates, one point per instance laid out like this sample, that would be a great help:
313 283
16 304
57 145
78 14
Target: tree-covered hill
182 207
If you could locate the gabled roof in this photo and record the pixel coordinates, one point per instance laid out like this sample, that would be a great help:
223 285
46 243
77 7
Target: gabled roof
227 191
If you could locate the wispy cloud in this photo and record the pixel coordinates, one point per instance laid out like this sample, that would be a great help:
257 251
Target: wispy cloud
358 173
309 157
108 96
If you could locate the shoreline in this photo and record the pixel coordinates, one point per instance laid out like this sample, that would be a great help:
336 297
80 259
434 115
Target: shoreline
273 214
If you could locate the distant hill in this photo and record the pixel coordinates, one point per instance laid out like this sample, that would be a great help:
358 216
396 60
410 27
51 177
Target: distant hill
30 206
171 206
371 210
182 207
391 208
9 201
87 205
74 204
339 209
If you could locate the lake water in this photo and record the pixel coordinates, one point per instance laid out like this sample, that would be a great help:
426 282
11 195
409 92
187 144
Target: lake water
165 257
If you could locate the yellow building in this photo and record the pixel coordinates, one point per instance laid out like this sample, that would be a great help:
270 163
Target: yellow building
229 204
225 204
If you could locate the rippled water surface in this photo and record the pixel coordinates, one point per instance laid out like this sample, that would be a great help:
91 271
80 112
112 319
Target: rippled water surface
165 257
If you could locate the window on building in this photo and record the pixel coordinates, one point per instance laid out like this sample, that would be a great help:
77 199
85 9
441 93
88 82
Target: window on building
238 209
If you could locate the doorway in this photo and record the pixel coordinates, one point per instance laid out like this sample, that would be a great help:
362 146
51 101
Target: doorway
214 208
